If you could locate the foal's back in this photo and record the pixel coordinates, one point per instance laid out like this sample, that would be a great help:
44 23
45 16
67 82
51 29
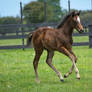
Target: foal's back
48 38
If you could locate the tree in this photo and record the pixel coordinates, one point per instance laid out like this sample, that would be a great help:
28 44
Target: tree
9 20
34 12
57 10
86 16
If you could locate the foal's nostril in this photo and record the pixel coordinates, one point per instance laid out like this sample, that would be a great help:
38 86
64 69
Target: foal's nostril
81 31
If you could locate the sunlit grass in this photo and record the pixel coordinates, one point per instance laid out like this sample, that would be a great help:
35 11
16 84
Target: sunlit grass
10 42
81 39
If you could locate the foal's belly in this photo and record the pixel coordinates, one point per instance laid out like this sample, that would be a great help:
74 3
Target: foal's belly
49 43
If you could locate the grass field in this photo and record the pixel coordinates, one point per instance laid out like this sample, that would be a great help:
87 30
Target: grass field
17 74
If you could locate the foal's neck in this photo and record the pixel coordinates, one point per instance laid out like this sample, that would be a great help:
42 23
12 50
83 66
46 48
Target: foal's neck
66 29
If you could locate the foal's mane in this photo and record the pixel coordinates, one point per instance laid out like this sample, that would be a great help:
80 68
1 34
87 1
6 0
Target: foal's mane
63 21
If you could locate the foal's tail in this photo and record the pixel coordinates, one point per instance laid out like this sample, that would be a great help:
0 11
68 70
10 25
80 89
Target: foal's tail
29 39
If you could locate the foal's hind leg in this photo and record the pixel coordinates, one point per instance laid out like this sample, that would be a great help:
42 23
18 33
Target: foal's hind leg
49 62
35 63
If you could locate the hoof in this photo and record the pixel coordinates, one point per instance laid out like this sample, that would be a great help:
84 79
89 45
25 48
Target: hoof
78 78
65 76
38 81
62 80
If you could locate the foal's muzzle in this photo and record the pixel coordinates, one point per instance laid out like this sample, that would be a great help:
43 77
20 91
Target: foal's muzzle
81 31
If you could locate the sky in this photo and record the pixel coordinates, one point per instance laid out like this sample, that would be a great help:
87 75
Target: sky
12 7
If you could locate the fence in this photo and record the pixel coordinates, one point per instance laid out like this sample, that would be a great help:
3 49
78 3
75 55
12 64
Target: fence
90 36
20 31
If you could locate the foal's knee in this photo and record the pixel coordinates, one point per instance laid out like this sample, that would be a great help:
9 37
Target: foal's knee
48 62
35 64
75 59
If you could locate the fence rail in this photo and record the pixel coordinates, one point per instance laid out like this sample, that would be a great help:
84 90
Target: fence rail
18 31
25 36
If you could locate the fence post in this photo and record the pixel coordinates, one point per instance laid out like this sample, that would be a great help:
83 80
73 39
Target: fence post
45 11
68 5
90 35
21 13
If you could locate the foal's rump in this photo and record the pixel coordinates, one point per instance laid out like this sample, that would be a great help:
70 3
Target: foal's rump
43 37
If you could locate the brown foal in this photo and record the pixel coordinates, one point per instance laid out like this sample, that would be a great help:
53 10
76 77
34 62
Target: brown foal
56 39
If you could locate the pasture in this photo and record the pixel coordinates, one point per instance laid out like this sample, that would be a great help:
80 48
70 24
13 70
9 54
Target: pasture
17 74
16 65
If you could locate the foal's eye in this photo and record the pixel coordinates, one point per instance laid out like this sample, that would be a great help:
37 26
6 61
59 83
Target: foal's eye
75 22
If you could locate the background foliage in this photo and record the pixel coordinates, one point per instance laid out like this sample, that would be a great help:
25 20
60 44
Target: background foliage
34 13
10 20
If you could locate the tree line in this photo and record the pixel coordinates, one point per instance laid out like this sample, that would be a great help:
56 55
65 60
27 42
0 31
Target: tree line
33 12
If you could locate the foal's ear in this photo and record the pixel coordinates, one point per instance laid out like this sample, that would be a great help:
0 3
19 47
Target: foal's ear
78 13
73 13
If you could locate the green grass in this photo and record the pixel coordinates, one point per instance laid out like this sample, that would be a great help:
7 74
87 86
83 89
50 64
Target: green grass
81 39
17 74
10 42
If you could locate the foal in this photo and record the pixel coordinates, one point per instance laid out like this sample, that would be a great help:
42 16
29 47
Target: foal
59 39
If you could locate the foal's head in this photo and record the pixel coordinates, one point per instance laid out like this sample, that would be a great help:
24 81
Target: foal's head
72 20
76 23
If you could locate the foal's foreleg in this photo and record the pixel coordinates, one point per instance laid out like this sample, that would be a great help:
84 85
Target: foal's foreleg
49 62
71 70
72 57
75 67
